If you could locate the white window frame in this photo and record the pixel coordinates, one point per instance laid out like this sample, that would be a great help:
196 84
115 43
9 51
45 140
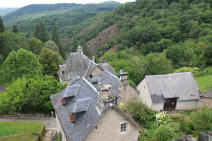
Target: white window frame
123 127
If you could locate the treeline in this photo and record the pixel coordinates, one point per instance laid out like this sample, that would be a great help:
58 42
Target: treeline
28 70
179 31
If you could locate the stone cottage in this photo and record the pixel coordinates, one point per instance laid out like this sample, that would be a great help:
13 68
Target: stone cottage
206 99
80 65
88 113
177 91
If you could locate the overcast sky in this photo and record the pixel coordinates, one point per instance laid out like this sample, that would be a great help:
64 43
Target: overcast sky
21 3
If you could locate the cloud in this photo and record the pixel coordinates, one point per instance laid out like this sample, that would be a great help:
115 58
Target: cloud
21 3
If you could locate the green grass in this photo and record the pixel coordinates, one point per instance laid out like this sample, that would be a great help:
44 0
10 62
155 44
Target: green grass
19 131
205 82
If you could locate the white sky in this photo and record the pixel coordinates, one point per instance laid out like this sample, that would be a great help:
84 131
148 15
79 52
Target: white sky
21 3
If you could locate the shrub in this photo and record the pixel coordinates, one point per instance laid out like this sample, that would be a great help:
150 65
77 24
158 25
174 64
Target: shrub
175 126
162 118
195 71
164 133
141 113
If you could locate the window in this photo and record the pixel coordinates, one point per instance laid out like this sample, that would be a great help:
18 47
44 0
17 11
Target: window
123 127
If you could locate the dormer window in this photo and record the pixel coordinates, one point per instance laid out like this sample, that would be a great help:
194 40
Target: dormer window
71 118
123 127
63 101
91 76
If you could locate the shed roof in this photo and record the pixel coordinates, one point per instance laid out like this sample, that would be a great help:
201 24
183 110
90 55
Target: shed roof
177 85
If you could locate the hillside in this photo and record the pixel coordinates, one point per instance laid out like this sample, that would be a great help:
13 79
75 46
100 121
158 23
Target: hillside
6 11
64 15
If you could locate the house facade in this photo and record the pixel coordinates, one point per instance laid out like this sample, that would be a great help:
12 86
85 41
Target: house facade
177 91
206 99
88 113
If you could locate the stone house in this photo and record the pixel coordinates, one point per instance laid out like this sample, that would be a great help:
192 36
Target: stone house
177 91
206 99
80 65
85 112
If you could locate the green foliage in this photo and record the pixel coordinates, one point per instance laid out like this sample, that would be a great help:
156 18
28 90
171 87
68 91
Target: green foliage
10 41
29 95
52 46
1 25
155 63
141 113
41 32
195 71
199 121
50 61
15 29
162 118
204 82
35 45
19 64
208 54
164 133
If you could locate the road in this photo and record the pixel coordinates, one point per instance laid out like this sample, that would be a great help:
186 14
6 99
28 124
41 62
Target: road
50 123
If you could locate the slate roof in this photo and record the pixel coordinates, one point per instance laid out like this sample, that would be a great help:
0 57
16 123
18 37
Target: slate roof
107 78
177 85
80 65
71 91
84 104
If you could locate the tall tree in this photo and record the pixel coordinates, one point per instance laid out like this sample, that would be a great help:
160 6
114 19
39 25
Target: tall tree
55 36
15 29
19 64
1 25
41 33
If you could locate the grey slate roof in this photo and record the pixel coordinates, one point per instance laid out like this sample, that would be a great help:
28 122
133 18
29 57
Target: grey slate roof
77 64
84 104
71 91
107 78
157 98
80 65
177 85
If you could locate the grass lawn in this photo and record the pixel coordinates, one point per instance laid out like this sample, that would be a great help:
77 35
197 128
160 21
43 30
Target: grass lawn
19 131
205 82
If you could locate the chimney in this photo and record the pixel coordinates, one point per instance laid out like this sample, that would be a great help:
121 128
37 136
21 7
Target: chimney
80 49
93 58
124 80
105 98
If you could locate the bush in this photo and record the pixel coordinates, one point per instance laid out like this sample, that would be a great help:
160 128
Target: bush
141 113
164 133
162 118
195 71
199 121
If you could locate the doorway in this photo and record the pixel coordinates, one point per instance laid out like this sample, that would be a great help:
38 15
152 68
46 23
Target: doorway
170 104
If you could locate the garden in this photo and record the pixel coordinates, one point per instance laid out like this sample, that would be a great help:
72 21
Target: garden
162 126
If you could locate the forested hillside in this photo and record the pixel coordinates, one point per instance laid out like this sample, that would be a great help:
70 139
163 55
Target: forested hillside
155 36
5 11
66 16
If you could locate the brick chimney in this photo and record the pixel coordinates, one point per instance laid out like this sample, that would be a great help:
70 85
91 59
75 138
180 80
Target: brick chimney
124 80
80 49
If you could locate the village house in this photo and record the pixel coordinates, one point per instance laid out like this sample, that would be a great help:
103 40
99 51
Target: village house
177 91
90 113
80 65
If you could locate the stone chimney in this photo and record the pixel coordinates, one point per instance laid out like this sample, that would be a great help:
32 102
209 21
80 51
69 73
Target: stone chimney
105 98
124 80
93 58
80 49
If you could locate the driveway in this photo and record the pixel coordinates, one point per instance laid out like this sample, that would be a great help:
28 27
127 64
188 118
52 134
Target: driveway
50 123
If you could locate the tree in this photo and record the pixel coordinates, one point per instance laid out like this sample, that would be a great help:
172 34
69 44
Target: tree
208 54
19 64
41 33
15 29
55 36
155 63
51 45
29 95
1 25
50 61
35 45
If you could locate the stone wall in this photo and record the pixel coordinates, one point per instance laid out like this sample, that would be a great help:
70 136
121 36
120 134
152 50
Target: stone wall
108 129
205 101
128 94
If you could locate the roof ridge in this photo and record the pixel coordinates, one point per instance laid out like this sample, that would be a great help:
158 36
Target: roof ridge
83 78
168 74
